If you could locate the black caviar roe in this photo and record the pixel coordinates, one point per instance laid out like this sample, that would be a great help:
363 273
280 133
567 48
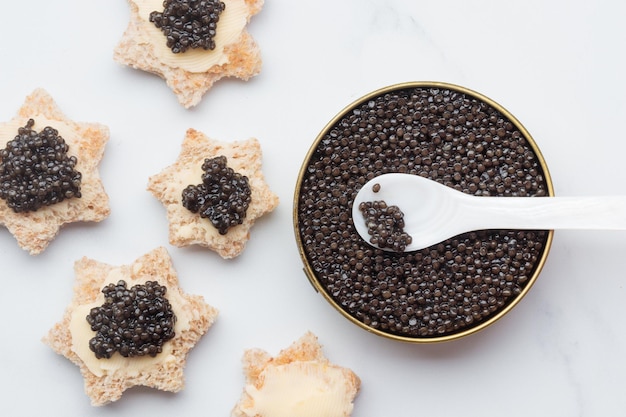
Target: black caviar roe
133 322
449 137
36 170
189 24
385 225
223 197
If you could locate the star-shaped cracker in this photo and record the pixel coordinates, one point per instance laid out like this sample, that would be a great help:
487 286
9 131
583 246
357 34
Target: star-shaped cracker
34 230
299 381
192 73
188 228
107 379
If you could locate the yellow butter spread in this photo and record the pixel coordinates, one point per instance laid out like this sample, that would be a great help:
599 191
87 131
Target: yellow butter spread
229 28
303 389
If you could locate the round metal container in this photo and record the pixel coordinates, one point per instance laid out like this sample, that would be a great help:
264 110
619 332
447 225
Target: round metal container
452 135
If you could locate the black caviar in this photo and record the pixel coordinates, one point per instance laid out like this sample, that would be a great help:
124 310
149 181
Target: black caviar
188 24
223 197
133 322
36 170
450 137
385 224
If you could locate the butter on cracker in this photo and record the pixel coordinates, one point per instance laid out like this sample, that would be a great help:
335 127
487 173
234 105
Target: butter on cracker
35 229
192 73
300 381
106 379
188 228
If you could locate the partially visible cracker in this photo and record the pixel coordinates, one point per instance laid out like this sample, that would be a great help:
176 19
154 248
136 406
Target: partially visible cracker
187 228
299 381
35 230
107 386
140 48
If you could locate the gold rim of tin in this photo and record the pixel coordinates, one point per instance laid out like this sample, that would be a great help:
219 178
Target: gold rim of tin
310 274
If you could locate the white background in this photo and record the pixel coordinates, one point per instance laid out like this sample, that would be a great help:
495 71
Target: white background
558 66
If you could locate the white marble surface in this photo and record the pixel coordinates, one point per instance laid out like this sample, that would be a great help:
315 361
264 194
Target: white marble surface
557 65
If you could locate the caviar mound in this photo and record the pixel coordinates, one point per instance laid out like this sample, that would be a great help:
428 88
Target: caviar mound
36 170
223 197
133 322
448 134
385 225
188 24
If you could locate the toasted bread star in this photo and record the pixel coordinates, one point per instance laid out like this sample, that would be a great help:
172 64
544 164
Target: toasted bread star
106 379
188 228
300 381
34 230
190 74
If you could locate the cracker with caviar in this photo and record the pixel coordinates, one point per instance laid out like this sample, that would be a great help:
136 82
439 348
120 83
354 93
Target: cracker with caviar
49 172
299 381
191 44
213 193
130 325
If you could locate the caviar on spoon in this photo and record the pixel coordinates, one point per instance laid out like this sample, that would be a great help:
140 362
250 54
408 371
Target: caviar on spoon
432 212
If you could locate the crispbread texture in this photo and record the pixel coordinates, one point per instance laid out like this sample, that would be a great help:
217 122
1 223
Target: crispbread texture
168 376
35 230
187 228
243 59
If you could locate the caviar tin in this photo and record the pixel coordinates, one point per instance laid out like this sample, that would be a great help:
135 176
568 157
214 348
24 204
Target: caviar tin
452 135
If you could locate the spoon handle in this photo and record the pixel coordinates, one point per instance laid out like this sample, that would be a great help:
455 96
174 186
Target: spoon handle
545 213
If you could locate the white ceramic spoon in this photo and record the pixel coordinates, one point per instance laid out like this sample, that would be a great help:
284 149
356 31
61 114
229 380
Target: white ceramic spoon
434 212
